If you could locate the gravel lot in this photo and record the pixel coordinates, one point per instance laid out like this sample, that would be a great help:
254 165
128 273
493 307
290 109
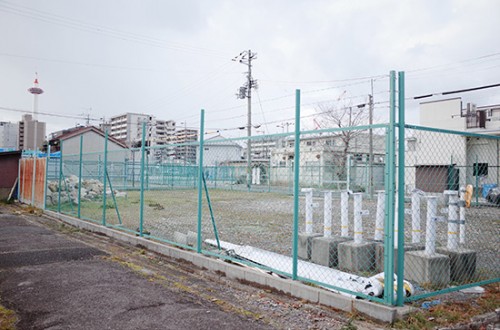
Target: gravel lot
265 220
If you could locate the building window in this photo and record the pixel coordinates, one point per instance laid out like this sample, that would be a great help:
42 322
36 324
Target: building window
480 169
206 148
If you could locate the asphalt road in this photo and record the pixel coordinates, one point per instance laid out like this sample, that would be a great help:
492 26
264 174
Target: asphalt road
53 281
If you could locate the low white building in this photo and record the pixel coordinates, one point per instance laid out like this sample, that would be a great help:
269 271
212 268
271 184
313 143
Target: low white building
438 161
93 145
325 161
219 151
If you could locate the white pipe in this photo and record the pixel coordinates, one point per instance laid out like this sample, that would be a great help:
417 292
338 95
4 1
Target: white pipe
379 220
327 224
415 217
453 226
430 230
309 210
348 185
462 216
344 213
358 219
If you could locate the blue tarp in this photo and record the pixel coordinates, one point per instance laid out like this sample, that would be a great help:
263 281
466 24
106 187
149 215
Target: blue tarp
40 154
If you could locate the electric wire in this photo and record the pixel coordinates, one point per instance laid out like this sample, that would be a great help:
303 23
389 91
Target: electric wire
99 29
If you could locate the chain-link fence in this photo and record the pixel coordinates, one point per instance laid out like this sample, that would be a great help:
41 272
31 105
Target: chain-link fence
452 224
332 207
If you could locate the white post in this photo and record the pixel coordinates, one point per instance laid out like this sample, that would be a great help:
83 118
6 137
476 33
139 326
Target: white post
358 219
379 220
253 175
415 217
430 230
344 213
462 215
348 172
453 226
257 175
327 221
309 210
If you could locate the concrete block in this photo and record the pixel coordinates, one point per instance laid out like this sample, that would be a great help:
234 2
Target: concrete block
427 269
379 255
186 255
235 272
192 239
336 300
279 284
462 264
180 238
356 257
325 250
305 292
217 265
305 245
376 311
200 260
255 276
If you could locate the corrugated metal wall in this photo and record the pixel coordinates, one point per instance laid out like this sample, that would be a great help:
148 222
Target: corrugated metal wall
32 180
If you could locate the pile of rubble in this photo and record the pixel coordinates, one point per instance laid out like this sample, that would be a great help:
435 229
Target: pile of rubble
90 190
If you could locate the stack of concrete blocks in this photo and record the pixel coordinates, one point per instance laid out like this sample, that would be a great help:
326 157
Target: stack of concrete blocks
306 238
357 255
325 249
415 245
428 267
462 260
191 239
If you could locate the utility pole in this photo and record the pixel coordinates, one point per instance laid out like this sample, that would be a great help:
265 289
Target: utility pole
245 91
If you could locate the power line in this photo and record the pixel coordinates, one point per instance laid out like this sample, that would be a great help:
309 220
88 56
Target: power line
52 114
366 78
89 64
457 91
99 29
453 63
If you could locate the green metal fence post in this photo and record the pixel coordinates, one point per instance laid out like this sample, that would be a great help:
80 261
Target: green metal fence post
46 177
60 176
296 160
389 201
200 178
476 190
401 188
105 165
80 177
141 204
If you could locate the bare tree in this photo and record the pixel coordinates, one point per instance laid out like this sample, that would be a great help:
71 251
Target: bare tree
342 115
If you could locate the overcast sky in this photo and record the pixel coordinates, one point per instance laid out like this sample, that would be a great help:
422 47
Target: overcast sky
172 58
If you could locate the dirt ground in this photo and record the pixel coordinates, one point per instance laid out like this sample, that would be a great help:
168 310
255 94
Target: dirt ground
265 220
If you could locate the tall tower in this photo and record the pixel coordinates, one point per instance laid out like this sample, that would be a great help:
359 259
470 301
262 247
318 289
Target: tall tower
36 90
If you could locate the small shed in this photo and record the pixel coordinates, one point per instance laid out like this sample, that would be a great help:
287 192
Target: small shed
93 144
9 165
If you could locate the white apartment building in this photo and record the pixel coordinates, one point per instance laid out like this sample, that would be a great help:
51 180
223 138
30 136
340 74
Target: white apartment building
185 145
125 127
128 128
9 135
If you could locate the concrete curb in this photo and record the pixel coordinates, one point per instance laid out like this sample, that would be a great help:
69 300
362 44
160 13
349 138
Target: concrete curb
297 289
